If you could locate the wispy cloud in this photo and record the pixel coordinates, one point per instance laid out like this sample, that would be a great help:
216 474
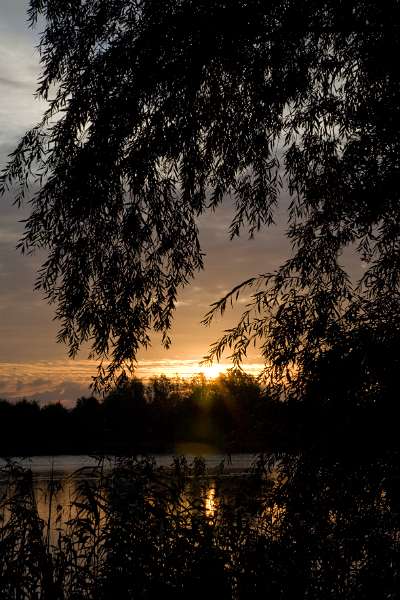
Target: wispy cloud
19 71
46 381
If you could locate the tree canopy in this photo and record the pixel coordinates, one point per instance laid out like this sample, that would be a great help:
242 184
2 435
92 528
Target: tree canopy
158 111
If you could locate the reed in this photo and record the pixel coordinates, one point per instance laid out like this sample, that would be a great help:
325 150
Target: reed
139 531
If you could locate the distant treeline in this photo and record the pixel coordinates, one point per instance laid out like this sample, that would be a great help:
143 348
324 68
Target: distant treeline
231 414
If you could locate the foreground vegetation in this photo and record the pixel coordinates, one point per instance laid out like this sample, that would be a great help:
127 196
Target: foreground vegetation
139 531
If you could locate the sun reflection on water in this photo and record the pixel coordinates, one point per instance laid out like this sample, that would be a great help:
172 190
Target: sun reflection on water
211 503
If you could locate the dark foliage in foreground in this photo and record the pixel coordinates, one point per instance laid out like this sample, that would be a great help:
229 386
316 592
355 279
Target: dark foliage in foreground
141 532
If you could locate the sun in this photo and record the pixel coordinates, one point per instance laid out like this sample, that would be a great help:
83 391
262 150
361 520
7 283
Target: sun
212 371
188 368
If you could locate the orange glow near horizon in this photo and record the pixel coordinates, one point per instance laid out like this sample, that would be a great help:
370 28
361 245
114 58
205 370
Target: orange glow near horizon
211 371
186 369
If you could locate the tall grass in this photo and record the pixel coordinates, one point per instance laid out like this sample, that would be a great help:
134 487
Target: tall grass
138 531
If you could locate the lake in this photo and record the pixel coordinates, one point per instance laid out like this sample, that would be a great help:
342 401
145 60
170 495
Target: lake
61 466
57 480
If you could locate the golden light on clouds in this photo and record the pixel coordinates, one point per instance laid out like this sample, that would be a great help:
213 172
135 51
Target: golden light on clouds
67 380
189 368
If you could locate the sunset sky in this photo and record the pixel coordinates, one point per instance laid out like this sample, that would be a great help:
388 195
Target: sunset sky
32 364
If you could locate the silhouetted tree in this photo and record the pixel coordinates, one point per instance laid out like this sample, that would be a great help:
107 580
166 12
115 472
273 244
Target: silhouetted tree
165 402
7 425
235 402
26 425
228 413
125 414
157 111
55 430
88 424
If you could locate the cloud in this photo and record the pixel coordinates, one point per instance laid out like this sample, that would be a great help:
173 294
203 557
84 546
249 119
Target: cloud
67 392
46 381
19 68
10 83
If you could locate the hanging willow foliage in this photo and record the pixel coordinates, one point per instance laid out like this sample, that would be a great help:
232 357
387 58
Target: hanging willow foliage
158 111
